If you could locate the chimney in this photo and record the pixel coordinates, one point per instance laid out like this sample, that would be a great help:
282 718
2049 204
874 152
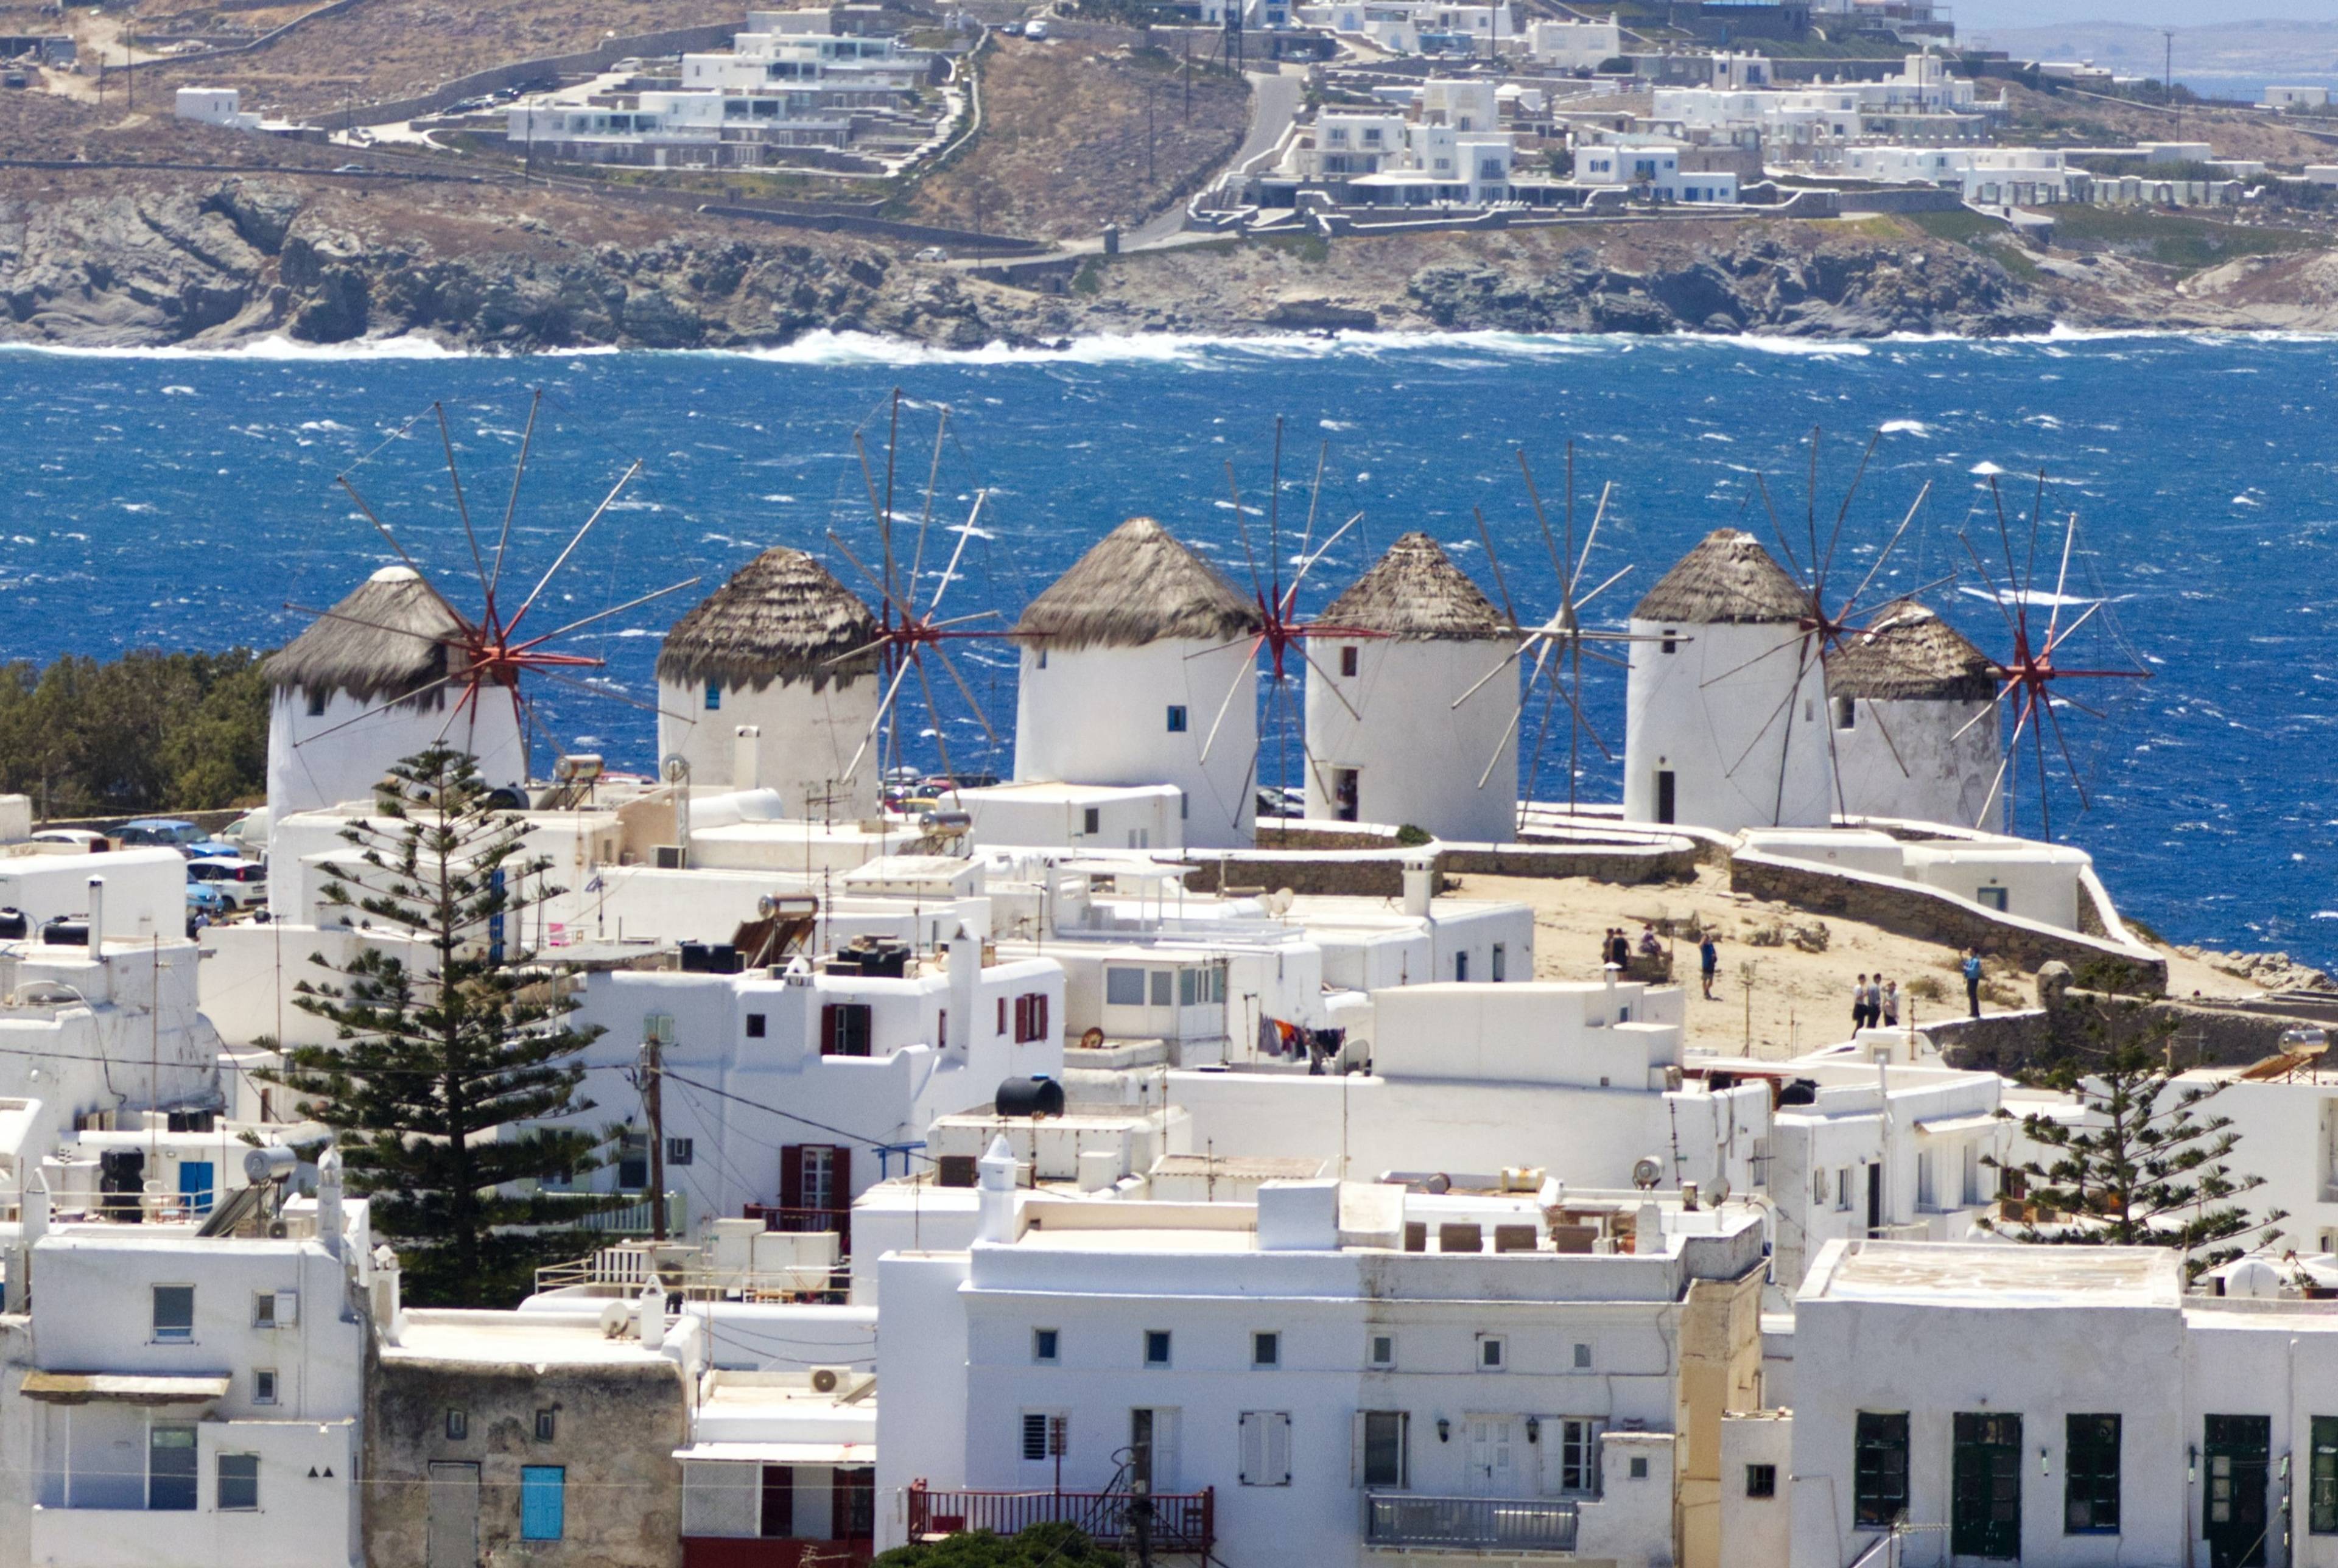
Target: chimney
650 1323
996 1180
329 1222
747 757
965 986
1419 886
96 915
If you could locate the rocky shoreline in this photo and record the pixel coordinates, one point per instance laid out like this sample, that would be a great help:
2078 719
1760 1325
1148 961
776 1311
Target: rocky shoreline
220 263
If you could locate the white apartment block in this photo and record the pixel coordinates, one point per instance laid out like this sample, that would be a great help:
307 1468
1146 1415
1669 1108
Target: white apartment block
1655 171
1330 1374
1574 46
1384 158
1419 26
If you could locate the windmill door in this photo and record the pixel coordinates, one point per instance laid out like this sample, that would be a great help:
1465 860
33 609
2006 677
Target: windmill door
1347 794
1495 1467
451 1537
2237 1451
1666 794
1985 1516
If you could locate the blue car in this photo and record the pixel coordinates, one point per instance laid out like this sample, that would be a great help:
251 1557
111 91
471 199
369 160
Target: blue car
187 838
208 902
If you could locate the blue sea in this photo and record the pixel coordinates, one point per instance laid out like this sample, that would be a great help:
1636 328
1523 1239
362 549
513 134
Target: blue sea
190 501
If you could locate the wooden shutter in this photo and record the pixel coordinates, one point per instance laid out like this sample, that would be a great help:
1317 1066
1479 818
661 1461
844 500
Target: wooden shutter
828 1029
1039 1006
1253 1447
1278 1449
791 1176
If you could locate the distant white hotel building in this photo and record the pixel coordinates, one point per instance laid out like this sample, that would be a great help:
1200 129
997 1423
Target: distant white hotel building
1419 26
1654 170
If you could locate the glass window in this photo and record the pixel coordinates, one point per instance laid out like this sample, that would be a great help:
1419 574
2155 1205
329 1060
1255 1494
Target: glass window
1582 1357
755 1026
458 1425
1187 987
1492 1353
1384 1350
175 1314
1578 1456
171 1468
263 1386
713 695
1348 660
1156 1346
1266 1350
2322 1500
1044 1343
547 1425
1880 1490
844 1029
1176 719
1123 987
1035 1434
2090 1475
680 1150
1384 1448
543 1510
1162 981
1501 965
239 1483
1761 1480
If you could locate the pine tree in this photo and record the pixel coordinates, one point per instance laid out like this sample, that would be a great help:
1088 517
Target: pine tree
2143 1165
440 1050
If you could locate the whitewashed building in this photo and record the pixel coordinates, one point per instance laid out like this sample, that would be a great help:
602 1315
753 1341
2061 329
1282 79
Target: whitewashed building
770 682
1726 702
1395 735
1914 710
1654 170
1139 667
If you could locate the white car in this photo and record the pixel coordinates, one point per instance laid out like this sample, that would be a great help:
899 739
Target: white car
241 882
80 838
931 253
1035 28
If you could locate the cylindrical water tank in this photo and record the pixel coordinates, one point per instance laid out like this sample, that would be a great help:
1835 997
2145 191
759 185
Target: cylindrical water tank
1033 1096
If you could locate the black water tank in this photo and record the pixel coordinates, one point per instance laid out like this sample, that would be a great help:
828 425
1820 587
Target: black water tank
13 925
1033 1096
62 932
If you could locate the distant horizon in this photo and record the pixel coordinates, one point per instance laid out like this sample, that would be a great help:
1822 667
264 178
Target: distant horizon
1981 15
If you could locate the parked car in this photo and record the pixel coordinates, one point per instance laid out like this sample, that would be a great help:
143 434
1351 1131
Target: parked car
1035 28
243 883
931 253
79 837
205 899
187 838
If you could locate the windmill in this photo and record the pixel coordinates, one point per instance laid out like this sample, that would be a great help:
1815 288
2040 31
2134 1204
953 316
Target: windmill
489 656
1822 627
908 635
1282 630
1557 643
2030 674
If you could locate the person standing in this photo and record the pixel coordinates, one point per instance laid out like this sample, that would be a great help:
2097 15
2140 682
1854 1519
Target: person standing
1972 980
1708 959
1875 999
1891 1003
1859 1004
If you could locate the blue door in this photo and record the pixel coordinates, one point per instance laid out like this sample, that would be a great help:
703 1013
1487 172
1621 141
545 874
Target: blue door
195 1185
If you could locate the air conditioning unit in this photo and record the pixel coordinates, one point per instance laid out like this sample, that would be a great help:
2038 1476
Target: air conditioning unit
828 1380
669 856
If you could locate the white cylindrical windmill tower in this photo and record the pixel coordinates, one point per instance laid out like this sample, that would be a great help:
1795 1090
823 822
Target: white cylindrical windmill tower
757 654
1726 710
1385 742
1914 710
1130 660
366 686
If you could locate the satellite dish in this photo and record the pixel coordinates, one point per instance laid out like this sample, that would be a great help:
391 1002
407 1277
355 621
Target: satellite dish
1717 1190
616 1317
1646 1171
677 769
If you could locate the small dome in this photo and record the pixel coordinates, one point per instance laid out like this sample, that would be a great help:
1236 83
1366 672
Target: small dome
1727 579
782 616
1139 584
1416 592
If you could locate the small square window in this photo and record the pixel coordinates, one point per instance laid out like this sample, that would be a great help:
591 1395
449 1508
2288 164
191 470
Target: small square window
1035 1434
1582 1357
316 704
1761 1480
1156 1346
1384 1351
239 1483
1493 1353
713 695
263 1386
547 1425
263 1309
175 1314
755 1027
1176 719
458 1425
678 1151
1266 1351
1639 1467
1044 1344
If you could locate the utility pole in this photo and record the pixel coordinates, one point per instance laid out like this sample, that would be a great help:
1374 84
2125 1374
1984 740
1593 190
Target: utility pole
2168 77
654 1102
1149 97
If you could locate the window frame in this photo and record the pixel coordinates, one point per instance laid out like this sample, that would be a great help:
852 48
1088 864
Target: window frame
848 1029
458 1425
2322 1477
1761 1481
266 1392
1372 1356
1875 1504
161 1333
220 1484
1493 1354
1265 1350
1163 1340
1178 720
547 1424
1046 1347
1396 1438
2086 1481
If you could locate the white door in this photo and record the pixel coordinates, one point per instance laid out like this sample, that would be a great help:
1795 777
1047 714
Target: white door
451 1534
1493 1456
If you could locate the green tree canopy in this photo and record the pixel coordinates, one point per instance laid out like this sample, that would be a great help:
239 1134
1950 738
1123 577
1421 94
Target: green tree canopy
2143 1164
148 731
1053 1545
450 1057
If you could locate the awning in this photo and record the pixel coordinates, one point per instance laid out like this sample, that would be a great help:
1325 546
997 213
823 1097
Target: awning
1972 1123
781 1453
81 1387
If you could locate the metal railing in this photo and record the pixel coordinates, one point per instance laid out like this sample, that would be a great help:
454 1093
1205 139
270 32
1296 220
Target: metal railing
1182 1523
1507 1524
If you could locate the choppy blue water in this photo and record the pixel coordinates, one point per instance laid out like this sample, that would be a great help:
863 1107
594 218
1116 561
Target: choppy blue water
185 501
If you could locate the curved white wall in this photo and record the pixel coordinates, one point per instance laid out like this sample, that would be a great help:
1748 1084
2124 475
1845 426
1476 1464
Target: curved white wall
808 738
1727 772
1417 758
1101 716
1945 779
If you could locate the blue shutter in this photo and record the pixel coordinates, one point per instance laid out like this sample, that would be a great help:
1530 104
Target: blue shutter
541 1504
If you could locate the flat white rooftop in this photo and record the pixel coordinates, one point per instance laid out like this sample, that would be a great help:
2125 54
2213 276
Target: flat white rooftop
527 1338
2001 1274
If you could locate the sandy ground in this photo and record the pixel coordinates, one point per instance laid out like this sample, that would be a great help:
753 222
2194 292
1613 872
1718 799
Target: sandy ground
1797 1000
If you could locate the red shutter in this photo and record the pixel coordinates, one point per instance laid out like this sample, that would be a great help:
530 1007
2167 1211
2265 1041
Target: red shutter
1039 1005
791 1176
1002 1016
828 1030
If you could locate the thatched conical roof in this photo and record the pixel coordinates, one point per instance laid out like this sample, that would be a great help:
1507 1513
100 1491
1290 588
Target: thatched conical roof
781 617
1909 653
385 641
1416 594
1727 579
1139 584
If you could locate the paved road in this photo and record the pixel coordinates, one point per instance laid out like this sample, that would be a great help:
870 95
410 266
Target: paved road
1273 102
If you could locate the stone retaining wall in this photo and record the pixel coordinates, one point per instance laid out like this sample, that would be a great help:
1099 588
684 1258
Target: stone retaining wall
496 78
1379 873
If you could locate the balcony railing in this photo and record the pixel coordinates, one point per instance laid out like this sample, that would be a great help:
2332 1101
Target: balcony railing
1183 1523
1502 1523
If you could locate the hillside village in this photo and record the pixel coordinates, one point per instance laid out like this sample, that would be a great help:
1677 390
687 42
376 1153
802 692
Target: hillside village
1238 1175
